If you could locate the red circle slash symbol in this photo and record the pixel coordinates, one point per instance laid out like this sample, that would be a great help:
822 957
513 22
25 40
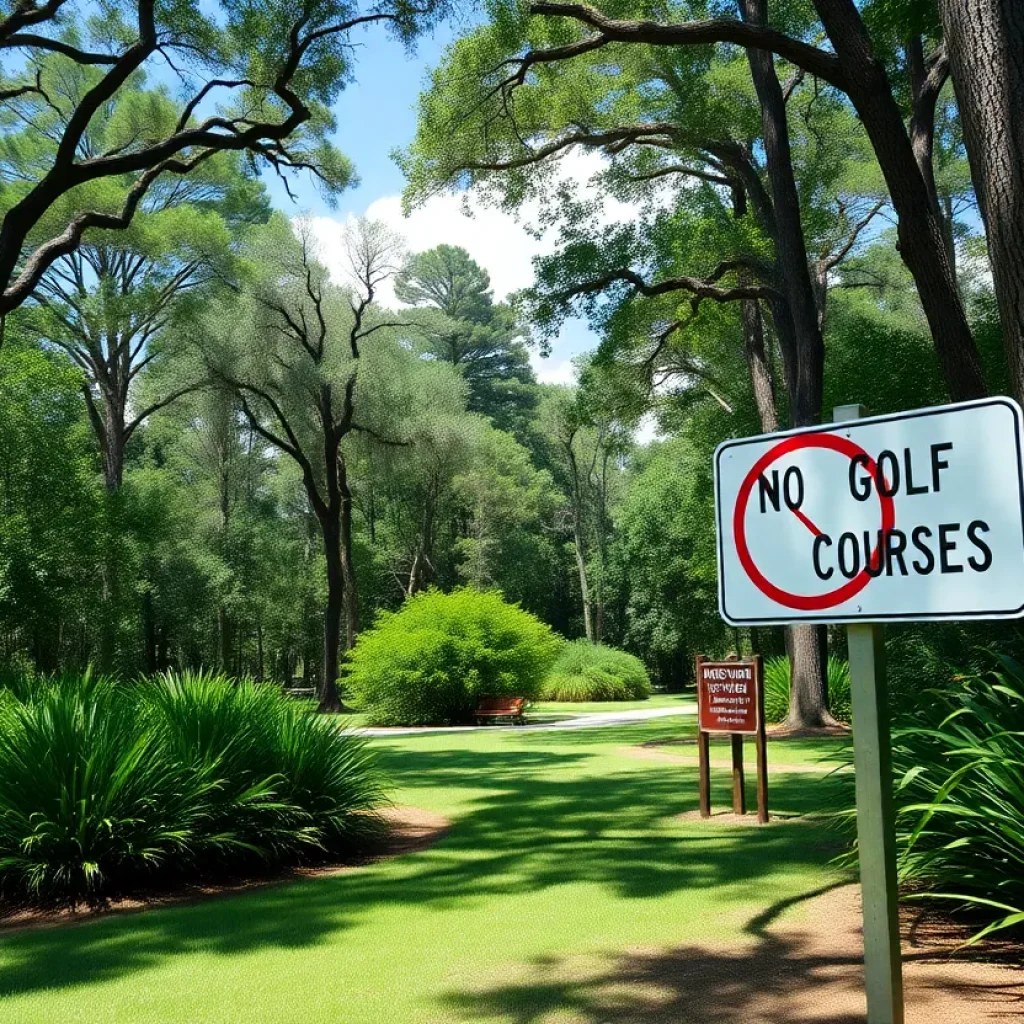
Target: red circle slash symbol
806 602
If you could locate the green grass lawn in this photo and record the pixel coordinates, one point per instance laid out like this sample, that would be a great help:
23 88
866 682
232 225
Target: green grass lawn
563 846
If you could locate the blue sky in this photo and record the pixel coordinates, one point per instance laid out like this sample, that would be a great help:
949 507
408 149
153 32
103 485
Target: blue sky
376 114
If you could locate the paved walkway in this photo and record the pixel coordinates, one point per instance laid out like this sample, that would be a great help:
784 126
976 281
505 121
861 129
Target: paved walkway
596 720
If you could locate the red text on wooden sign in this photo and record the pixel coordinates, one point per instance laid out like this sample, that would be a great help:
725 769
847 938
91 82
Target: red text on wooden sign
727 696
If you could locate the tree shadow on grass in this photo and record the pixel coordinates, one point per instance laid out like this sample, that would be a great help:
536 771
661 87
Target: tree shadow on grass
809 974
536 818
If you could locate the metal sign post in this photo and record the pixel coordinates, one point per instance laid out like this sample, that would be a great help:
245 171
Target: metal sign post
876 818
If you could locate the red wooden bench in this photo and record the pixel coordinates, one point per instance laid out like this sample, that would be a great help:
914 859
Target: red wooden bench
492 709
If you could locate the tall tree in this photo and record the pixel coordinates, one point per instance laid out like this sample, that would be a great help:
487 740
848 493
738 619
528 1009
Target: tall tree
291 355
853 67
587 442
479 338
107 303
275 67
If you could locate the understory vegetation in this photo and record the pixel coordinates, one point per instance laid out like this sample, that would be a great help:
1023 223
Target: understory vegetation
109 787
431 662
959 778
594 672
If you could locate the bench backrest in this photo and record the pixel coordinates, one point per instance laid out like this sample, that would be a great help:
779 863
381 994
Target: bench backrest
502 704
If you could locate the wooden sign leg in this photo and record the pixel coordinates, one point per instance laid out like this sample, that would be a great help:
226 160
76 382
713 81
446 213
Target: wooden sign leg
739 796
762 747
704 768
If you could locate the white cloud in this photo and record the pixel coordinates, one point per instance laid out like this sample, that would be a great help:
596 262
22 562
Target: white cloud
553 371
498 241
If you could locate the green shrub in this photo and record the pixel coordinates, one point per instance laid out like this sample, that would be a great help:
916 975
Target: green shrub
959 784
432 661
592 672
105 786
776 688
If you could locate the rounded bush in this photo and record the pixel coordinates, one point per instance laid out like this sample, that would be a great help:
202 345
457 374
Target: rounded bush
104 786
776 688
592 672
439 655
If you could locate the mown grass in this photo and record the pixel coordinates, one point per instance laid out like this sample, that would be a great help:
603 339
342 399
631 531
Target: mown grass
562 843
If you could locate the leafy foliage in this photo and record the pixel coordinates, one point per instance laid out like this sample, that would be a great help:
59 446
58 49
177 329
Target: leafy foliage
593 672
481 339
958 770
431 662
105 786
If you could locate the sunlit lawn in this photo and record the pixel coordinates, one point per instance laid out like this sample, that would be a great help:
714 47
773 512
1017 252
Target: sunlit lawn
563 844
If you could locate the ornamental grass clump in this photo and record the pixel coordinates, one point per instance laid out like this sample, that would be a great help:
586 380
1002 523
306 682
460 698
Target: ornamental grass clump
108 787
439 655
959 780
586 671
958 785
777 681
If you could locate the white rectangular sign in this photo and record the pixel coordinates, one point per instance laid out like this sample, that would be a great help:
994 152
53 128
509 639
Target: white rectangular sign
918 515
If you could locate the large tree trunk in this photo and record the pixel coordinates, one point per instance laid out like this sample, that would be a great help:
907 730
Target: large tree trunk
757 363
327 689
808 689
807 647
985 42
790 246
920 228
112 445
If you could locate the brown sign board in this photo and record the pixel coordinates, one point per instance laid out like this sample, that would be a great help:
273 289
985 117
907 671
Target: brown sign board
727 697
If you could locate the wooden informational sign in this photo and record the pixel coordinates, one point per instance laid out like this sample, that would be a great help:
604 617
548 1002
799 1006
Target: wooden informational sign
730 699
727 697
914 516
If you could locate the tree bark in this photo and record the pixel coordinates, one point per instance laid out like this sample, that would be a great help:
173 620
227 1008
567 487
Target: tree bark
327 688
985 42
581 567
112 444
757 363
348 574
808 691
920 230
790 246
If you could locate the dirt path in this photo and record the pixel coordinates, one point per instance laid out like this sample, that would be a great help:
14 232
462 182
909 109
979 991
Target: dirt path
802 966
590 720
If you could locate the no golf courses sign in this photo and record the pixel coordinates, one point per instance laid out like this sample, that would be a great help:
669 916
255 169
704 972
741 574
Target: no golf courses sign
913 516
